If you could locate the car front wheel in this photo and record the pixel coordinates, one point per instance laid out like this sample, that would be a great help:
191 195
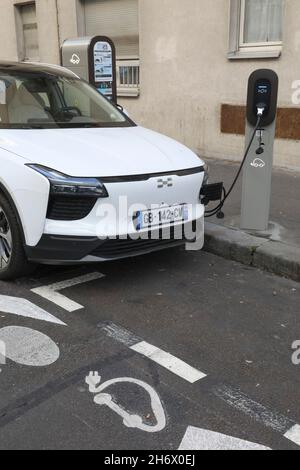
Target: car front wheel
13 261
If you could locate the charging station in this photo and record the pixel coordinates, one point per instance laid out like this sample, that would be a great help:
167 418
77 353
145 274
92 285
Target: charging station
94 60
260 135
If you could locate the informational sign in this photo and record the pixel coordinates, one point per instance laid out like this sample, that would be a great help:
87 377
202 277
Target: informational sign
94 60
103 68
2 93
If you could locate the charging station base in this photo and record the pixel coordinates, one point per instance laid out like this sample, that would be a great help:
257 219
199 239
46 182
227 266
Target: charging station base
257 180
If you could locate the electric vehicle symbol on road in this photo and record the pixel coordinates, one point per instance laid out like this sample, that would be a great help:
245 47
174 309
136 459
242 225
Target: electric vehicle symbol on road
129 420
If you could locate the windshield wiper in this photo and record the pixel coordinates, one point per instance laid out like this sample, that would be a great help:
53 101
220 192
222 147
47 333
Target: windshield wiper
31 126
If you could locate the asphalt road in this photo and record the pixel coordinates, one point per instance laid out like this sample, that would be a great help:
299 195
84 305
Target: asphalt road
233 327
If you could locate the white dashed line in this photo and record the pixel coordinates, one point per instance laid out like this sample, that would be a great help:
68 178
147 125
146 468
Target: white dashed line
51 292
255 410
260 413
120 334
164 359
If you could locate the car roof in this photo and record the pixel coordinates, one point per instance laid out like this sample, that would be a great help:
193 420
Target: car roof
35 67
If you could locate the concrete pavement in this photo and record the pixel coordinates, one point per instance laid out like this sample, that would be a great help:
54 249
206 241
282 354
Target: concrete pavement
278 249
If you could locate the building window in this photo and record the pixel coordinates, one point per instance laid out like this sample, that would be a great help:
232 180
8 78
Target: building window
128 77
119 20
29 45
256 28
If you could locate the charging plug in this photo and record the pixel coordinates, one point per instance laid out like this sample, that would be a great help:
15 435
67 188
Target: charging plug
260 151
261 107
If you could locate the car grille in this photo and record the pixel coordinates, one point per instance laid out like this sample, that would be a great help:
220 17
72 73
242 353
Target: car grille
118 248
70 208
114 248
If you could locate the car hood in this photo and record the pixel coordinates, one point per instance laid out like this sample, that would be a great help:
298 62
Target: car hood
99 152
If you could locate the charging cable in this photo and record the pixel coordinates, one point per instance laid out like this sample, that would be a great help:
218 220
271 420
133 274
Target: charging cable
218 210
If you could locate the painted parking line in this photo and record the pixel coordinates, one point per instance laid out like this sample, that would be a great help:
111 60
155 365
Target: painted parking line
51 293
285 426
157 355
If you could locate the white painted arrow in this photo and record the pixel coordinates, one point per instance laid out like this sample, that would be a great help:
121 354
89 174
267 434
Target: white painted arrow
201 439
25 308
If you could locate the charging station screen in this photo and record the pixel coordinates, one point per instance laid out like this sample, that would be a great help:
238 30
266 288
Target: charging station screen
262 95
103 68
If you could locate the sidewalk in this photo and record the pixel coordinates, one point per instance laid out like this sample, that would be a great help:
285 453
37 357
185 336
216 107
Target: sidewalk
277 250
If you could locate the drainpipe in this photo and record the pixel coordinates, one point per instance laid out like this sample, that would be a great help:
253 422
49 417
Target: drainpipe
58 30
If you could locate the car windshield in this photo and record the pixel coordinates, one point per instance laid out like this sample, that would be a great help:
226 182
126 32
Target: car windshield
33 100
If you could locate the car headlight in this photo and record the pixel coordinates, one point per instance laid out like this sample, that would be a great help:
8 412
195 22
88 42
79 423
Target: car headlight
63 185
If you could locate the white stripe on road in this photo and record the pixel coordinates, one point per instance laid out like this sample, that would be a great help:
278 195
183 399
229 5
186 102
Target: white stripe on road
24 308
293 434
120 334
51 292
253 409
164 359
285 426
201 439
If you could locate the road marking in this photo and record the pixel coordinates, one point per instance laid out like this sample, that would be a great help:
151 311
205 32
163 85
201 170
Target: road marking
293 434
28 347
25 308
166 360
201 439
120 334
129 420
285 426
51 292
253 409
172 363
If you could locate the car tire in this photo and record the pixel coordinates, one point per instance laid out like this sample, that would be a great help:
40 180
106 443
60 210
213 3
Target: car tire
13 260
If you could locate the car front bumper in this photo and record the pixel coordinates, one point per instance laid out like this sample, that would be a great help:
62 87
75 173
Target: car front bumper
65 250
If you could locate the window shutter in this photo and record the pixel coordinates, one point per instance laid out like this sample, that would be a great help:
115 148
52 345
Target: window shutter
30 32
117 19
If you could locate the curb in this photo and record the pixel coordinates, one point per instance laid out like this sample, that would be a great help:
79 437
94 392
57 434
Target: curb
272 256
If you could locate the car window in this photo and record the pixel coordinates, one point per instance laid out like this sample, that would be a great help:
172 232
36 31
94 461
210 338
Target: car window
43 98
45 101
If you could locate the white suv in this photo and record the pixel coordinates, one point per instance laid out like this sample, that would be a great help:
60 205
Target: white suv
81 182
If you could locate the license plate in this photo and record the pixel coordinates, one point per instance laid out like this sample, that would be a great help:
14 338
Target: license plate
161 216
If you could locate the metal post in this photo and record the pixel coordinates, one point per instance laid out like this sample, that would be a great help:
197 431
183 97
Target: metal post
257 180
257 173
